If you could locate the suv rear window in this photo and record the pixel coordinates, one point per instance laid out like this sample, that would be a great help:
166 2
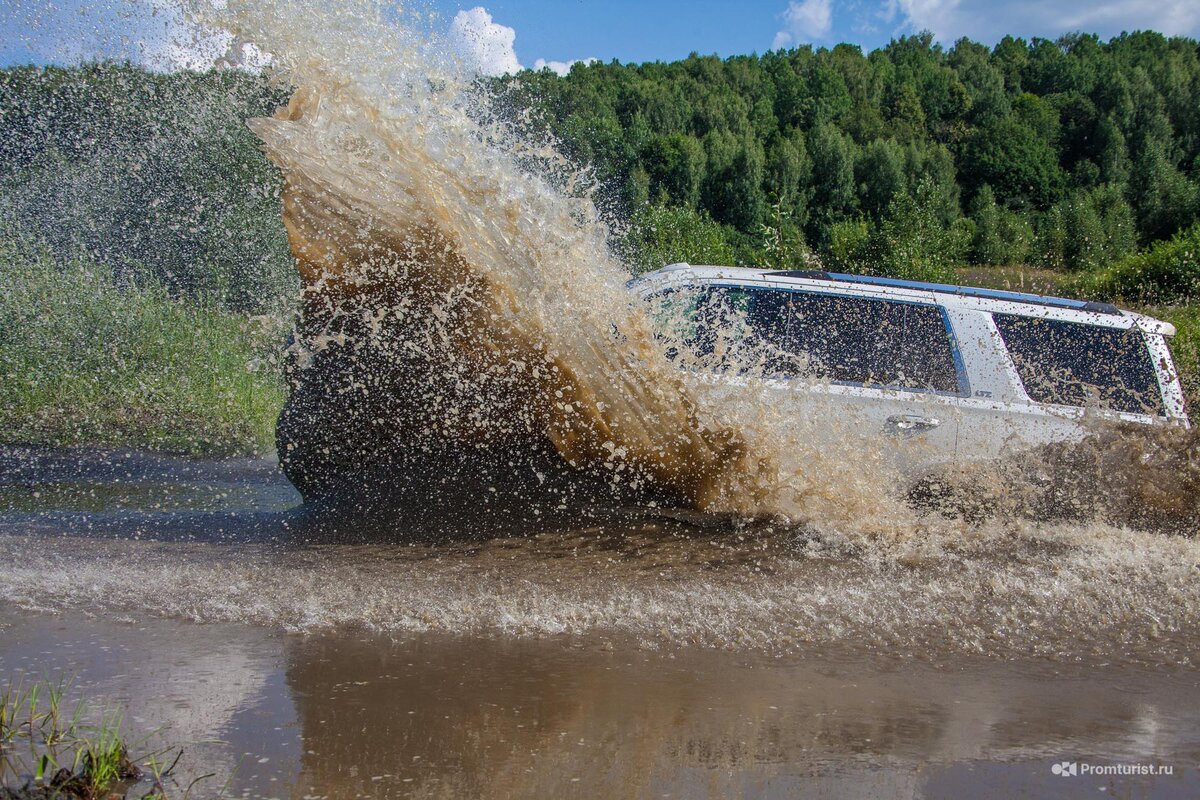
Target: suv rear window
1076 364
841 339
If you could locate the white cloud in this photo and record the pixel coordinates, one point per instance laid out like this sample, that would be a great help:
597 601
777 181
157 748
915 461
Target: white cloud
988 21
485 45
804 22
561 67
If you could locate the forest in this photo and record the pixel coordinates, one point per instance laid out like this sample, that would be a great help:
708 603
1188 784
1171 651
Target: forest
911 159
1076 159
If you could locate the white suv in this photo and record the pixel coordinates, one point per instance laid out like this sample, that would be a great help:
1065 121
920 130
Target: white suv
965 373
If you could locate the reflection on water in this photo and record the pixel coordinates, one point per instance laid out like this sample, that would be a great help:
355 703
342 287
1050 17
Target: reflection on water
339 715
82 480
175 686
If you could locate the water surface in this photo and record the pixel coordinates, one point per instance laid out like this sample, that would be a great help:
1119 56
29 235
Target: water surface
621 653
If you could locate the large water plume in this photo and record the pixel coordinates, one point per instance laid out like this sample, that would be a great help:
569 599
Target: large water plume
489 299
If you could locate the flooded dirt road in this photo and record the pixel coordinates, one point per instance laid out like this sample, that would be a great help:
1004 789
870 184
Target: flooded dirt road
616 654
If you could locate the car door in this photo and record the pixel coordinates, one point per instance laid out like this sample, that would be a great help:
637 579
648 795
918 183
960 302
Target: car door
875 375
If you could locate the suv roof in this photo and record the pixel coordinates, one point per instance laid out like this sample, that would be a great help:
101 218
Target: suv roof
964 291
1086 310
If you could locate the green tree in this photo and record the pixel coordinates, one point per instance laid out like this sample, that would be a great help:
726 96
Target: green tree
880 174
1168 272
660 236
1164 199
1084 244
1112 156
1001 236
1020 166
789 176
674 165
849 247
905 114
1011 57
912 242
1091 229
834 196
974 66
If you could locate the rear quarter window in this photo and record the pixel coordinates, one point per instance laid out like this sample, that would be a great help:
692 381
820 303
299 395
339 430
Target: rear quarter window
1076 364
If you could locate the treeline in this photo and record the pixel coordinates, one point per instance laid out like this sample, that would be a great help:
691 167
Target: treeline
910 160
1069 154
124 191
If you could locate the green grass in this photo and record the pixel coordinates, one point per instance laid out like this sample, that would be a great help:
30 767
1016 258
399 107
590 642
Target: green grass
1017 278
102 759
85 362
47 753
1168 272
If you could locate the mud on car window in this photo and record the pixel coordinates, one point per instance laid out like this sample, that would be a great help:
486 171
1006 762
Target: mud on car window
855 340
1076 364
872 342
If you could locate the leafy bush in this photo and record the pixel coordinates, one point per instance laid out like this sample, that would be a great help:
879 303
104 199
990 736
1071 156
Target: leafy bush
849 248
659 236
1169 272
1002 237
913 243
1089 230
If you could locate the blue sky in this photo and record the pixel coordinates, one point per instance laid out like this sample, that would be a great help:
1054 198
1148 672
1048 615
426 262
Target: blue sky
502 34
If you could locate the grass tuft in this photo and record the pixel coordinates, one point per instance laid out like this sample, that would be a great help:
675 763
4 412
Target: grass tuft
49 754
102 760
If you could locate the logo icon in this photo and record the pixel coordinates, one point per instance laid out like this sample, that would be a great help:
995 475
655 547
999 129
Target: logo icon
1065 768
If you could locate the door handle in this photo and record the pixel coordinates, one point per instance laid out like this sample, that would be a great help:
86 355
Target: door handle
910 424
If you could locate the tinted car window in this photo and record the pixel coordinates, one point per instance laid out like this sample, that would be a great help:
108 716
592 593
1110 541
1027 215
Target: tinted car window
928 358
873 342
841 339
1075 364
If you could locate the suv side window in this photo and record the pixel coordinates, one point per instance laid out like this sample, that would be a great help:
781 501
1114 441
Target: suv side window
872 342
1075 364
842 339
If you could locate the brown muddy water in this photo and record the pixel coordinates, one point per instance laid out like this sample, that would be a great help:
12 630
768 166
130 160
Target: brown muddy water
618 653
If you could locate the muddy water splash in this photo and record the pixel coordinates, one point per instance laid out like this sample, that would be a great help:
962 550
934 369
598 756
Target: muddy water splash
393 182
465 323
457 303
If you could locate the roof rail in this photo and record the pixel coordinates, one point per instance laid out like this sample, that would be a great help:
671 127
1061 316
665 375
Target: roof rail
962 291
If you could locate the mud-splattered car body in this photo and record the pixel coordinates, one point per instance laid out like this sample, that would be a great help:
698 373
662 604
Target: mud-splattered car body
951 372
